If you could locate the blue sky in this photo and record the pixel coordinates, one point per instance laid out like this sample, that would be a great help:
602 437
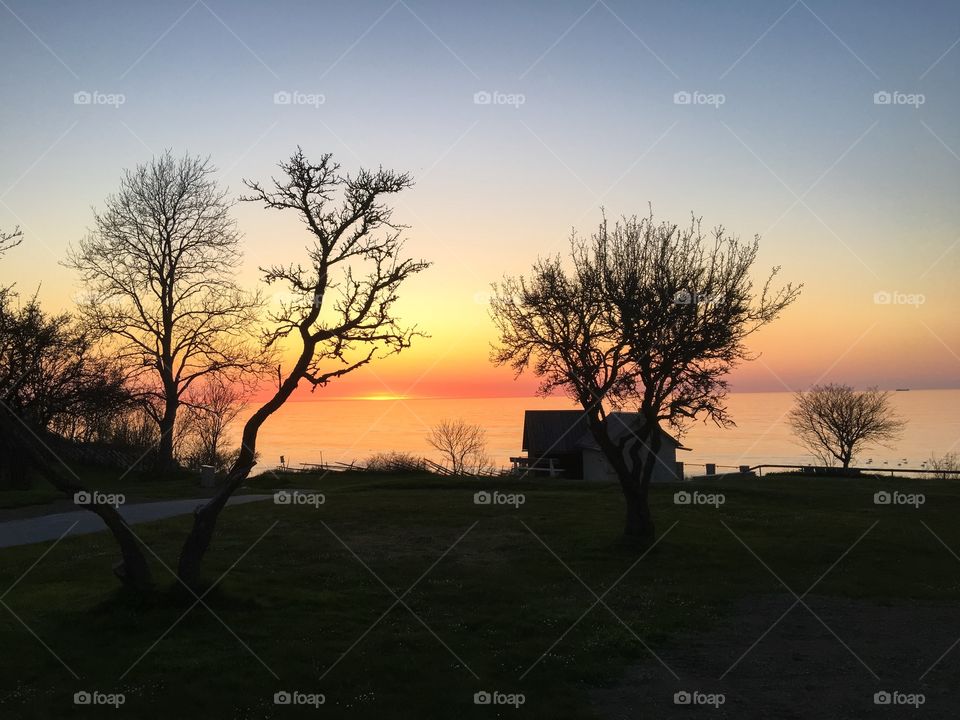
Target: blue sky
851 197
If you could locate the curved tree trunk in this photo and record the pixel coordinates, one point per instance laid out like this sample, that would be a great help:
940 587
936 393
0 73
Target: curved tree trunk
132 570
205 517
204 523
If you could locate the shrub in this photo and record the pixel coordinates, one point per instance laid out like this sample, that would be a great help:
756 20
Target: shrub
394 461
946 466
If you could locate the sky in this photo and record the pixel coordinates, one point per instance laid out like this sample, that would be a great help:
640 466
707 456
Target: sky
829 129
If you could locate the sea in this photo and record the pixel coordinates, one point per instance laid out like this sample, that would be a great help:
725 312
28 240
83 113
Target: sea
338 430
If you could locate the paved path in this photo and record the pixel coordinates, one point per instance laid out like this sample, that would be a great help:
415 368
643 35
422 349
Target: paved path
50 527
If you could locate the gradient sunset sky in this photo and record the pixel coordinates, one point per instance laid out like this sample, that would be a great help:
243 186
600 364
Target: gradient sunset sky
855 197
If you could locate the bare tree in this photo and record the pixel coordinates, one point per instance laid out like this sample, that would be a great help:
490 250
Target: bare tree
946 466
462 444
341 315
212 408
835 421
159 269
649 317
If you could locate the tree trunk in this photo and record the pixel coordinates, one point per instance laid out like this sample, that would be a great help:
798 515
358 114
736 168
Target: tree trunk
638 526
644 452
166 424
205 517
204 523
133 570
634 476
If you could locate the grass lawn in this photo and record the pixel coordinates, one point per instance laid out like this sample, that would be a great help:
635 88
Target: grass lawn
27 498
307 599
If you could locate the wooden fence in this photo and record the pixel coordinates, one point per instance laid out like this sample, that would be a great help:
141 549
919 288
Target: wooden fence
711 469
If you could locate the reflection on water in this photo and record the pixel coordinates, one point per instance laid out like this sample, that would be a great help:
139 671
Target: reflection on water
347 430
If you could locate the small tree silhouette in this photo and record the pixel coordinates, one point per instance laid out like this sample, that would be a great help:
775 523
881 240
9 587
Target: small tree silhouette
462 444
835 421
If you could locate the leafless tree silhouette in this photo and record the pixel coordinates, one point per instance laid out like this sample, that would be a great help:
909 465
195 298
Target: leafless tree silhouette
462 444
159 268
212 408
341 311
835 421
649 317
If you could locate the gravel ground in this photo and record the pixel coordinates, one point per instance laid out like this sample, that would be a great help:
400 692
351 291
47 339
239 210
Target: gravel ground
800 669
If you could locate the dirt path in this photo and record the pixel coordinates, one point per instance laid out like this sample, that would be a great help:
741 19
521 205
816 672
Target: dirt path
800 669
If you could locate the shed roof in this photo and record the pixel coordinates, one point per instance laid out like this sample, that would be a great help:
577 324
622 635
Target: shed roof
563 431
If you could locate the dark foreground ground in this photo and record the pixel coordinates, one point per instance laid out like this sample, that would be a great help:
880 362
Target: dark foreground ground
402 598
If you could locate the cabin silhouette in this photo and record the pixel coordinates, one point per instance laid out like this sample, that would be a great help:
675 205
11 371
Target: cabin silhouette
559 443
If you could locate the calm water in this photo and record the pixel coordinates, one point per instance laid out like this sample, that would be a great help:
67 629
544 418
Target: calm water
346 430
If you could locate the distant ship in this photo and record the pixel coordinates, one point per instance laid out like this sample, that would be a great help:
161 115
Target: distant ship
903 389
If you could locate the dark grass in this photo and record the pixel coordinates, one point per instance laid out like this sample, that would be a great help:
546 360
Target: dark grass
26 498
298 599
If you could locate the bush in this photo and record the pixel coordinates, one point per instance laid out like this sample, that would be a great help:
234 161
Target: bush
395 461
946 466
